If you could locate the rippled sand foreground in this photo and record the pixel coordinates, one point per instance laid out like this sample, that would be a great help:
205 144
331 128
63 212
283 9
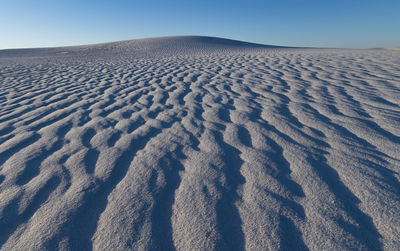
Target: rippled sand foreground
193 143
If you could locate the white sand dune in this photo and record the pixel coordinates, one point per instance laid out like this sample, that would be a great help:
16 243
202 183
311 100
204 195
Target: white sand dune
198 143
393 48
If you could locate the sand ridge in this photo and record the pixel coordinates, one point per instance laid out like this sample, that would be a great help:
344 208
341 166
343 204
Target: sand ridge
224 146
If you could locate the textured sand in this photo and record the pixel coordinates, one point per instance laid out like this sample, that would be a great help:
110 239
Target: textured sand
196 143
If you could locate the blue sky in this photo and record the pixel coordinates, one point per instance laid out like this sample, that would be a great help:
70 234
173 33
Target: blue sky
323 23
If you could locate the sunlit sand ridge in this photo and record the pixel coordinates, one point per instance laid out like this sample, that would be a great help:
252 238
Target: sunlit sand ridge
197 143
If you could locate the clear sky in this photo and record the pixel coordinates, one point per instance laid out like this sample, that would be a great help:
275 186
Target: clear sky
322 23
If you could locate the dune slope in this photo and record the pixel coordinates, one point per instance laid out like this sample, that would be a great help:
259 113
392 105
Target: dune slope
197 143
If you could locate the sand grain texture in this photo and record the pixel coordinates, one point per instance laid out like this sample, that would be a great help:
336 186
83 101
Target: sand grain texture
197 143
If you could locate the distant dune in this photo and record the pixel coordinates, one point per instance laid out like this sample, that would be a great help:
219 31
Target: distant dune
199 143
393 48
177 45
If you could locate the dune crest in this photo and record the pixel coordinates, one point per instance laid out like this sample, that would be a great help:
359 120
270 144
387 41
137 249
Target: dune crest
199 143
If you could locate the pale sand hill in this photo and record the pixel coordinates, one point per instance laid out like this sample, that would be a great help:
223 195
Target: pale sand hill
196 143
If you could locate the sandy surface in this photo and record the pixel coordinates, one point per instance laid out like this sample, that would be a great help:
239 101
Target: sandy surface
195 143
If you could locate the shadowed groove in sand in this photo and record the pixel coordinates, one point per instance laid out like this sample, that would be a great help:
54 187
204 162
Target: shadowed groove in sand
365 230
92 154
228 218
291 238
24 143
32 168
279 168
161 225
12 219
